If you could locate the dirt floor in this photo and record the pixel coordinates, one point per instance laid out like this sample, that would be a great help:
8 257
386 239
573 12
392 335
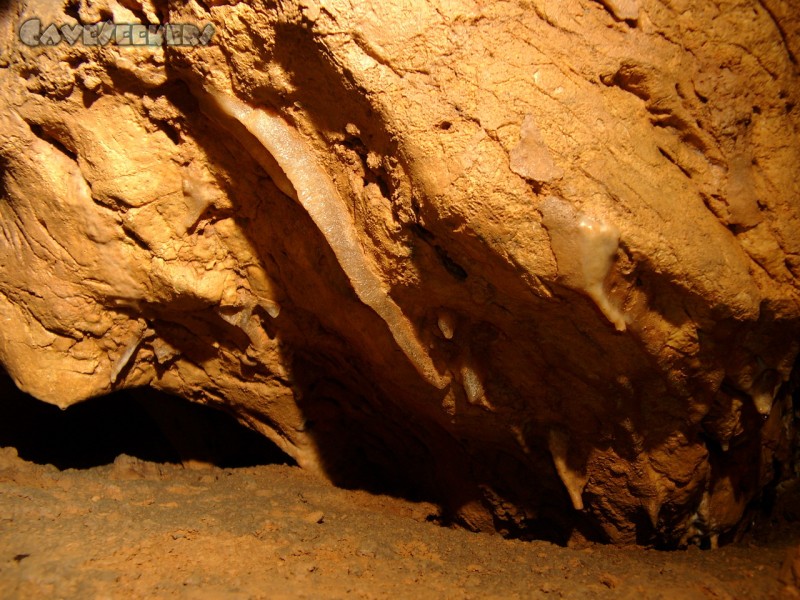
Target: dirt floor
139 529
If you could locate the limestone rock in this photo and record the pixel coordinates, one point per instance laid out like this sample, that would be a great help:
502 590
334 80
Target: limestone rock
537 260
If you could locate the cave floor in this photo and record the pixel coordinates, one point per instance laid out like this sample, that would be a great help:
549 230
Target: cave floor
135 529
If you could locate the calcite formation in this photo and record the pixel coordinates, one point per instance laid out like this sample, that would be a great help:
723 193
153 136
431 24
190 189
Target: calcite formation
537 261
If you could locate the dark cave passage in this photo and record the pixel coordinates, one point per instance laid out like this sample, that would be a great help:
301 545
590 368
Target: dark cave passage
144 423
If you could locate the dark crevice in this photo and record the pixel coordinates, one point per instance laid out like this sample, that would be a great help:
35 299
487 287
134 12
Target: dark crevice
72 9
422 233
146 424
134 236
43 135
666 119
90 97
3 169
170 131
781 31
666 155
451 266
629 78
105 14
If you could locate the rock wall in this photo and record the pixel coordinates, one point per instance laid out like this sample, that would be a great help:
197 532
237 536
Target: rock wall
535 260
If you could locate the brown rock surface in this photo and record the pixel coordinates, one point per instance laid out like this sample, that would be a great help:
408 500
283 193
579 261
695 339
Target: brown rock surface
537 260
790 570
254 533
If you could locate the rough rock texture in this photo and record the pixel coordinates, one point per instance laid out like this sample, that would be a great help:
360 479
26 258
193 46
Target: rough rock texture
137 529
535 260
790 570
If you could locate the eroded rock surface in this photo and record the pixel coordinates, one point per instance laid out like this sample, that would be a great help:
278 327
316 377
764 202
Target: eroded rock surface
538 261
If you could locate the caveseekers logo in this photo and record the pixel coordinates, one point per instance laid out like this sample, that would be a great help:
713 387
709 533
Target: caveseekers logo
31 33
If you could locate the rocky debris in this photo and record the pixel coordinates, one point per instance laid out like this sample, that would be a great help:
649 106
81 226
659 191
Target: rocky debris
243 534
129 468
790 570
536 261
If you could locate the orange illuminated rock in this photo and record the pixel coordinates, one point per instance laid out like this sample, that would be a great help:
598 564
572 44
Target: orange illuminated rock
537 261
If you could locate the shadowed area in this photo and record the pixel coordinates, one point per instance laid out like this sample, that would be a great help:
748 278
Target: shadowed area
143 423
